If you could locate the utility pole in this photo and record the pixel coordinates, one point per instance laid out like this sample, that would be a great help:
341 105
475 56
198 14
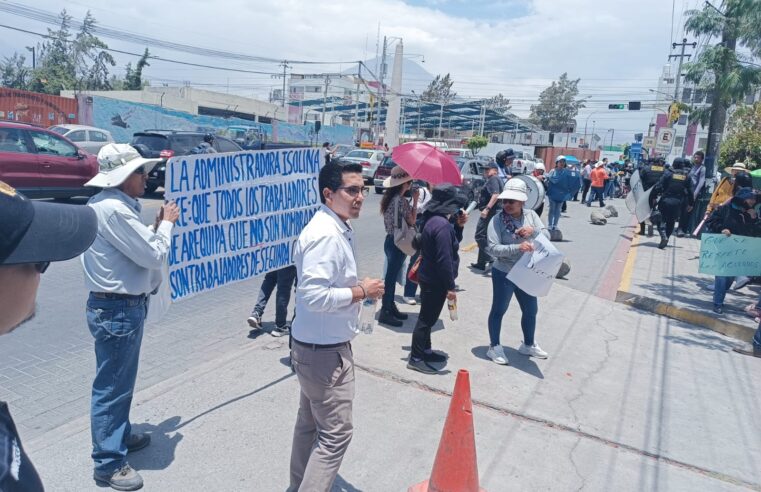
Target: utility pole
325 99
34 58
681 57
285 67
356 100
381 90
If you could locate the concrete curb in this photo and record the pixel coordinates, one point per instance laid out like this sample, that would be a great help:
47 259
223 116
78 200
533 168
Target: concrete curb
728 328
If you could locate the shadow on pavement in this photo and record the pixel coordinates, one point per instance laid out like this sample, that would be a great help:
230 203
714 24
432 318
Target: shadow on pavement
160 453
515 358
237 398
704 339
341 485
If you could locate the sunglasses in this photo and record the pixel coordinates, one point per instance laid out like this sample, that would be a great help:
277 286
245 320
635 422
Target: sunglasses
509 201
41 267
139 170
353 191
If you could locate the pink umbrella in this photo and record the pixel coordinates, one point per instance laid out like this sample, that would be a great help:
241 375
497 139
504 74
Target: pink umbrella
426 162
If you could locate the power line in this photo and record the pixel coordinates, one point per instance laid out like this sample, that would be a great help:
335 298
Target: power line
54 19
150 57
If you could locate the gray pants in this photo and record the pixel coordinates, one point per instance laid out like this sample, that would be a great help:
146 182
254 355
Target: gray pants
324 426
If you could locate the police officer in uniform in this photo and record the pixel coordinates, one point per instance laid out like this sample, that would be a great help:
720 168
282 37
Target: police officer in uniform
675 189
649 175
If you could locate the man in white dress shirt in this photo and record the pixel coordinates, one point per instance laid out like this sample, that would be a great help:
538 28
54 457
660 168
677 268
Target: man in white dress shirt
328 299
122 268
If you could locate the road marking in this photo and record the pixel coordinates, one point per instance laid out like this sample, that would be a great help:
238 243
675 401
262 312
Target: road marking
626 276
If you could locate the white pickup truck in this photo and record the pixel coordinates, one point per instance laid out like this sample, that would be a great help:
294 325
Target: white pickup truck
524 163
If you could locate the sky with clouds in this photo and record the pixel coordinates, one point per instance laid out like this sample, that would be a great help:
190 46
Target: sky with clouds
514 47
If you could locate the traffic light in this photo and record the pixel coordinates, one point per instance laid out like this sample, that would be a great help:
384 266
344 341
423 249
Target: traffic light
635 105
616 106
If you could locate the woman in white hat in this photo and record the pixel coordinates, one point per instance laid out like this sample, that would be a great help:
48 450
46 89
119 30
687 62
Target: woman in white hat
395 208
510 235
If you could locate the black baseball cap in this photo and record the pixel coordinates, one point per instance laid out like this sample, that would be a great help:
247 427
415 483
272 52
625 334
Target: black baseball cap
33 231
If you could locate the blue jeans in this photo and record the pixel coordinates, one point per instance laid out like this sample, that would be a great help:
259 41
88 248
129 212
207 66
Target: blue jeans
395 260
284 279
502 293
117 327
554 214
720 287
596 193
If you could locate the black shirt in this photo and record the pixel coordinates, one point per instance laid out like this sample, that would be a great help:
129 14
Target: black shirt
493 185
17 474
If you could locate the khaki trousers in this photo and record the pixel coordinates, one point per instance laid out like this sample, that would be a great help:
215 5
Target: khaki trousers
324 426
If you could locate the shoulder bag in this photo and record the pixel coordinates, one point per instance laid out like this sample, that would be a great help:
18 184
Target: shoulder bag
403 232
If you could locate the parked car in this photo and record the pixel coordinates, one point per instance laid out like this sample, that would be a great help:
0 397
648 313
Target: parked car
523 164
467 153
85 137
165 144
382 172
342 150
369 159
42 164
472 171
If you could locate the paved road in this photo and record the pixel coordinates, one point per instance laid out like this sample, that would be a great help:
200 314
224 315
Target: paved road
47 366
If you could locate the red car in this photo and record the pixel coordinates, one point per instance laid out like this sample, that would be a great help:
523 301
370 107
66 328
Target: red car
42 164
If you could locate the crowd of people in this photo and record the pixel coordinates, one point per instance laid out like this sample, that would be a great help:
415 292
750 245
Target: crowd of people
122 260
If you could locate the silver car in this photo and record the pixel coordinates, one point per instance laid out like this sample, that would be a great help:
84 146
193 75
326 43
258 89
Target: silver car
369 159
88 138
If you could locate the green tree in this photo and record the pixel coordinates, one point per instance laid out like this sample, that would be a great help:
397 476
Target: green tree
742 141
728 75
133 80
439 91
558 105
477 143
57 65
14 73
91 58
498 103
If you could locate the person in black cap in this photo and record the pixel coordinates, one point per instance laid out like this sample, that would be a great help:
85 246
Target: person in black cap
649 175
675 190
487 201
439 244
32 234
505 160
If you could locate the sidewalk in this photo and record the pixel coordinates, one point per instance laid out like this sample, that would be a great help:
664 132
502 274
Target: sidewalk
667 282
617 406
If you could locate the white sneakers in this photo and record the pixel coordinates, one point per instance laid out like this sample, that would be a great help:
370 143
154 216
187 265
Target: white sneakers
533 351
410 300
497 354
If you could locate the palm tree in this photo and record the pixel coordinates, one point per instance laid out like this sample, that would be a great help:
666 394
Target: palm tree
729 76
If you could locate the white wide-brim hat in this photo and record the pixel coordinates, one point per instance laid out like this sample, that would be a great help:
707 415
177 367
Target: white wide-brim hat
515 189
117 162
739 166
398 177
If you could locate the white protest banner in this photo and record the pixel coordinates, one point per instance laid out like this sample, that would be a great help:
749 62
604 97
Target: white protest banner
240 214
635 183
535 271
730 256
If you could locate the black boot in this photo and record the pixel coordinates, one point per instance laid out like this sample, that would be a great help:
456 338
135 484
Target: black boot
397 314
664 242
386 317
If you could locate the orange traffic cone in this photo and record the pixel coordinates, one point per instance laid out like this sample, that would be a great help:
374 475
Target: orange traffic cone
455 468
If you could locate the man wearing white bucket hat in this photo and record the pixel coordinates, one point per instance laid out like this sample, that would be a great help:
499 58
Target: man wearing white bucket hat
122 268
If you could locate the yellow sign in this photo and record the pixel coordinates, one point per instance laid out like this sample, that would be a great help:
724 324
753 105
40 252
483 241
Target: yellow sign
674 113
